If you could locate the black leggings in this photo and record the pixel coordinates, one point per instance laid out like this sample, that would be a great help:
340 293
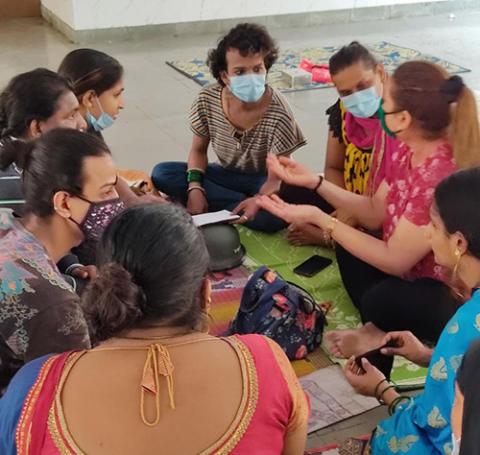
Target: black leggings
423 306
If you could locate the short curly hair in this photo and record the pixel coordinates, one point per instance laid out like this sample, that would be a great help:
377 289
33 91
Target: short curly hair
248 39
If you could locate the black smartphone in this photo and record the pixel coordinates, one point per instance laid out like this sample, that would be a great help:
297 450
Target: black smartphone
383 362
312 266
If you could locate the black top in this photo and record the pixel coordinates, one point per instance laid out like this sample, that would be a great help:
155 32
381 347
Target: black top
92 130
468 377
11 190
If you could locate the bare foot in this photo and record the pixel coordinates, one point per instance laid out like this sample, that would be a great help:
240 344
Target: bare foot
345 343
306 234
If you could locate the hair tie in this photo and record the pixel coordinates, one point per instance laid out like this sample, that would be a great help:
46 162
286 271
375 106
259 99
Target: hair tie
452 89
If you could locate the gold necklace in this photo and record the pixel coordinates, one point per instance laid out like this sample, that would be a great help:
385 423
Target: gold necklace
158 337
157 363
199 336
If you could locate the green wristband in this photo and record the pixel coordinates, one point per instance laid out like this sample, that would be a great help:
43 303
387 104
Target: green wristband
194 175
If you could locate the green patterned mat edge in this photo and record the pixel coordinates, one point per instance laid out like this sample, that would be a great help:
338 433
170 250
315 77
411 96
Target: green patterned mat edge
275 252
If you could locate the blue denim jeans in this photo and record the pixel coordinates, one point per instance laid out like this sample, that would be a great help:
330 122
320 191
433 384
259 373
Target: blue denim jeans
225 190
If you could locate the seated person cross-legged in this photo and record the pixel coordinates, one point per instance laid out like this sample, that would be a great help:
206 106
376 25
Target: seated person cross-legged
394 280
243 119
358 150
157 377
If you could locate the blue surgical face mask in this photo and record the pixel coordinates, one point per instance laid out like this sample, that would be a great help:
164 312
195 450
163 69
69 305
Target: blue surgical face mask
248 88
363 103
102 122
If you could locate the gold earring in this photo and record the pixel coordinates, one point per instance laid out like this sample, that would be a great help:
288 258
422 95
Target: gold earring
458 255
206 316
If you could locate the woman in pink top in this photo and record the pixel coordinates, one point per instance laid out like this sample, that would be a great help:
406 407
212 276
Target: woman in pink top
156 382
393 280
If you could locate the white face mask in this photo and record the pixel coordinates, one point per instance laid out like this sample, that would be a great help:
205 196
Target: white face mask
456 445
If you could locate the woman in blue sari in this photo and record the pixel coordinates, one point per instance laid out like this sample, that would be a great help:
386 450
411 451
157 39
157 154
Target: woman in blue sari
421 425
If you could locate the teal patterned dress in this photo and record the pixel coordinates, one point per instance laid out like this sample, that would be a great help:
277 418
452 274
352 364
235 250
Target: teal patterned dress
422 426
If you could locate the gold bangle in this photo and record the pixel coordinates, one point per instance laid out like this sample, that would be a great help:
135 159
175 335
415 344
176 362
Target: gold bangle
197 169
199 188
332 225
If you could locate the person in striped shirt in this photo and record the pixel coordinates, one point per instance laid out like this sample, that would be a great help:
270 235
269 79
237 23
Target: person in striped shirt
243 119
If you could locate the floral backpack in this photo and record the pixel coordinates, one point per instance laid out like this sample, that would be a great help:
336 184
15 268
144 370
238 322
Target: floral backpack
282 311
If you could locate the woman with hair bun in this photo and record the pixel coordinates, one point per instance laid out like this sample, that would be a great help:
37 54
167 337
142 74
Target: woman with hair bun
31 104
97 80
394 280
156 377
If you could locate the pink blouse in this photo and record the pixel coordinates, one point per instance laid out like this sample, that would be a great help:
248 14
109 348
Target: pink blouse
272 405
411 196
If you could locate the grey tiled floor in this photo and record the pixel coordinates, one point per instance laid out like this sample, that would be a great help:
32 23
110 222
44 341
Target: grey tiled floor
154 125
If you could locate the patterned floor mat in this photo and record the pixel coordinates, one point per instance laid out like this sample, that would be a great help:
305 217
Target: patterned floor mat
277 253
389 54
227 288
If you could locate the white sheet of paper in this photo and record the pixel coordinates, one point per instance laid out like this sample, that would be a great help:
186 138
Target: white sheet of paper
214 217
332 398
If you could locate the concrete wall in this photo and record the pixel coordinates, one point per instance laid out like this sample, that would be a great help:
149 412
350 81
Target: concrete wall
81 15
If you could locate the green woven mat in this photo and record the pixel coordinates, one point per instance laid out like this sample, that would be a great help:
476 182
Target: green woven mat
275 252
